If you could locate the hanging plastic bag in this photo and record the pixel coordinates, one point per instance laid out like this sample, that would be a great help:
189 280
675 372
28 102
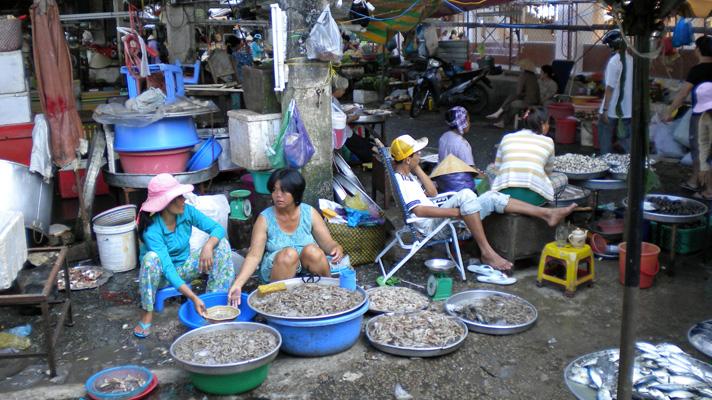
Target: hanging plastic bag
298 148
275 152
683 34
324 42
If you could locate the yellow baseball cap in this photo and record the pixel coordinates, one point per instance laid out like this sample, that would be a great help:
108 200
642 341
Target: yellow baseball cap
404 145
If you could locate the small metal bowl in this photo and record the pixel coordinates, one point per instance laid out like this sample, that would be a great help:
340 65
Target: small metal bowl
218 314
439 264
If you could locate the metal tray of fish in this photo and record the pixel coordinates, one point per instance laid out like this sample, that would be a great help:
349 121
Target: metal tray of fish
470 295
700 337
414 294
571 194
604 184
652 215
416 351
659 371
586 175
297 282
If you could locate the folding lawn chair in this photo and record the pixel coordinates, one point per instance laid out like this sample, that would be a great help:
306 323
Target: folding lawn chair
408 237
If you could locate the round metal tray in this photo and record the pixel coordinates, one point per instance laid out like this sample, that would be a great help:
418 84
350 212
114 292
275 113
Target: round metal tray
416 351
700 337
372 308
233 368
673 219
621 176
439 264
489 329
105 276
297 282
604 184
140 181
572 194
370 119
582 177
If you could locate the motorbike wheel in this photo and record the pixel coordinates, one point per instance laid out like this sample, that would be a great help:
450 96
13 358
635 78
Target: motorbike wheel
481 102
420 97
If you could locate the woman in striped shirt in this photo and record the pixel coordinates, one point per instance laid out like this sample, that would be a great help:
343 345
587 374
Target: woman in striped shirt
525 162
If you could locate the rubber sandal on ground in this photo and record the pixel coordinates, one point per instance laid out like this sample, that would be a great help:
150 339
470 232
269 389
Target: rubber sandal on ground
497 279
687 186
483 269
144 332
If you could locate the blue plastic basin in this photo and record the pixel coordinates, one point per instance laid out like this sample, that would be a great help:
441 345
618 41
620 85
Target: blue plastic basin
164 134
206 155
320 337
192 320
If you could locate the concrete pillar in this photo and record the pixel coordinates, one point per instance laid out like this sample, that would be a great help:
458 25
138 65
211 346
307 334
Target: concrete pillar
180 33
310 87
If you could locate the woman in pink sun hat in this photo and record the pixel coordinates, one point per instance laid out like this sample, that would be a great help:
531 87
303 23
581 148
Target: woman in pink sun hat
703 108
165 223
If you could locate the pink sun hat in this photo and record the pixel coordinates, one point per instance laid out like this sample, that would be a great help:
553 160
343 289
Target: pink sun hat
162 189
703 93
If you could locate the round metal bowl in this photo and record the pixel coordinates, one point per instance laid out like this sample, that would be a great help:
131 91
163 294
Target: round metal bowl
232 368
583 392
372 308
140 181
621 176
291 283
651 215
700 337
570 195
464 297
218 314
439 264
604 184
416 351
585 176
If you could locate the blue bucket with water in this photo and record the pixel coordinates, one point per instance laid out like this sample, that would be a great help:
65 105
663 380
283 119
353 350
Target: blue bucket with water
190 318
319 337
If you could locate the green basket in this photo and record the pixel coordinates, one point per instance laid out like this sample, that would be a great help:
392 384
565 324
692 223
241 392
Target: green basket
688 240
240 382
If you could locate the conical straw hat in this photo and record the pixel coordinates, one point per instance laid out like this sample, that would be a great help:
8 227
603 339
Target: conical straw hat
450 165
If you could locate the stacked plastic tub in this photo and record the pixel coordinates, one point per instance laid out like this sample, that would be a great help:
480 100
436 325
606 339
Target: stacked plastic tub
15 126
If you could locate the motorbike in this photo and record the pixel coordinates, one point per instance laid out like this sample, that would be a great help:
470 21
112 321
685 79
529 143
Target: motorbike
468 89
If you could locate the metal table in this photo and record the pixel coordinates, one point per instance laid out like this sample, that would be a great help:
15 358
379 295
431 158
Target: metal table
596 185
373 120
43 300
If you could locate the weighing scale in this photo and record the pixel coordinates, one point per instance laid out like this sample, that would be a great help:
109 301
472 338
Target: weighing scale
439 282
240 206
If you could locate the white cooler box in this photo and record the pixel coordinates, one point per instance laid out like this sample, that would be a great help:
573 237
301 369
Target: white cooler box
250 134
15 108
12 72
13 247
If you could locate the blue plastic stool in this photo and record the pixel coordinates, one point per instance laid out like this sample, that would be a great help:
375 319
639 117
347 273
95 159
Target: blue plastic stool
192 80
172 75
163 294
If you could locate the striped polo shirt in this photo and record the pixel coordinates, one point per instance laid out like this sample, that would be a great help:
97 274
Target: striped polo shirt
524 160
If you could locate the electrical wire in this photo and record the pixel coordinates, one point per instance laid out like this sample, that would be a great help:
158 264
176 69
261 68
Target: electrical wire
406 11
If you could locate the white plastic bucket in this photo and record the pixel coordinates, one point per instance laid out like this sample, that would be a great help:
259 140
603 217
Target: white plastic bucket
116 238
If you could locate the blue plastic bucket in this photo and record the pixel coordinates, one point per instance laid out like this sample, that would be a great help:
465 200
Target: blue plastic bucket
164 134
320 337
206 155
192 320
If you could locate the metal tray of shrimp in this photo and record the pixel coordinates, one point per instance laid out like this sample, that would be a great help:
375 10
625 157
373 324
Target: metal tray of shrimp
294 282
467 296
416 351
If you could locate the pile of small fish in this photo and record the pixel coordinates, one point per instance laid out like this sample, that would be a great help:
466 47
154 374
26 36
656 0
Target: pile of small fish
618 163
579 164
665 205
494 310
307 300
112 384
225 346
421 329
396 299
83 277
661 372
701 337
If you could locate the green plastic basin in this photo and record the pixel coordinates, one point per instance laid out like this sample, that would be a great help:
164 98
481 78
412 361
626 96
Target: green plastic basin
240 382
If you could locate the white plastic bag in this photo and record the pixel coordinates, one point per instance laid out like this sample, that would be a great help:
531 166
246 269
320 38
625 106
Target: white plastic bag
324 42
661 134
214 207
682 130
40 158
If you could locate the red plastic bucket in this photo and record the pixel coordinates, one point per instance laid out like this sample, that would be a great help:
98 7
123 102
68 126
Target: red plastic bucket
596 145
649 264
560 110
155 162
565 131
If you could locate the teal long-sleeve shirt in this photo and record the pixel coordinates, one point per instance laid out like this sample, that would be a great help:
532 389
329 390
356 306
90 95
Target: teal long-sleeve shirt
173 248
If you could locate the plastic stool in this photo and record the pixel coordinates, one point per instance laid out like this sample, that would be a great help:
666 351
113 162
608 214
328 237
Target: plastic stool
163 294
172 75
571 258
191 80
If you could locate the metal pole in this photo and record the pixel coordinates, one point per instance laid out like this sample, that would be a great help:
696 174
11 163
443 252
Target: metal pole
634 213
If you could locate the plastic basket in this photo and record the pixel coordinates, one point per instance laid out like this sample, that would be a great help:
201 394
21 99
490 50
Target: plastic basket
361 243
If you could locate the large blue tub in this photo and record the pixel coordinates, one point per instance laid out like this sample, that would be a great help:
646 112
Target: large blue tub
192 320
319 337
164 134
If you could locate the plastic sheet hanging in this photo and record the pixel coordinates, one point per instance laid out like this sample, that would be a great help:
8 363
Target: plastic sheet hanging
120 114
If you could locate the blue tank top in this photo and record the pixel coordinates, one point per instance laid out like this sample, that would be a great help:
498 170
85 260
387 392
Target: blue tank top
277 239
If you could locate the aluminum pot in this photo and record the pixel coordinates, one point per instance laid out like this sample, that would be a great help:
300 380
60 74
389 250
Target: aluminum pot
28 193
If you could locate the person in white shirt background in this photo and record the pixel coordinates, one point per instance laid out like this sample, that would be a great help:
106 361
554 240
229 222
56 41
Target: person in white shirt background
616 110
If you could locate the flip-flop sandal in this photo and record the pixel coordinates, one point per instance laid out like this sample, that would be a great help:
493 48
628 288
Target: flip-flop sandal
497 279
145 330
689 187
483 269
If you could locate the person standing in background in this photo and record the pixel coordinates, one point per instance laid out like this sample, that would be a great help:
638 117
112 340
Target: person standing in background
617 105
